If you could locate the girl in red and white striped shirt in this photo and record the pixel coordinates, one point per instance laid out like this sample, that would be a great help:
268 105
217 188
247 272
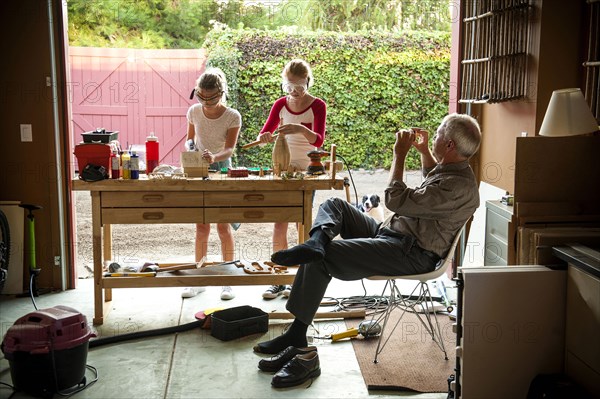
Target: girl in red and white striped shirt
300 117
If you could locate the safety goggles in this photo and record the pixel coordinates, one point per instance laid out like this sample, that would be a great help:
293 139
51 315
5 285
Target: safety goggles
210 100
300 86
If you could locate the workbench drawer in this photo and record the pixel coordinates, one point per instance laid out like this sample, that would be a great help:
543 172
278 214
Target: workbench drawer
253 198
152 215
150 199
252 215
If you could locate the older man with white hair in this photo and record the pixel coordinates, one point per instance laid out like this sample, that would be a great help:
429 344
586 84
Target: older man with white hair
420 232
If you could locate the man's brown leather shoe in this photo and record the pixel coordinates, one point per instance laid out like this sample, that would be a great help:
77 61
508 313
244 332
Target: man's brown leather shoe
298 370
278 361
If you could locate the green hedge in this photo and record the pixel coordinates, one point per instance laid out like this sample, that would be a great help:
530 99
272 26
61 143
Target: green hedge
374 83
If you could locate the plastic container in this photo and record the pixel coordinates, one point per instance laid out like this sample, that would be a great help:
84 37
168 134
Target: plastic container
94 153
47 350
99 136
126 165
140 150
238 322
115 165
134 166
152 153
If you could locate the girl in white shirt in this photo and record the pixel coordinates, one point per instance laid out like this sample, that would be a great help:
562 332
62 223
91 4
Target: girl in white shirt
213 128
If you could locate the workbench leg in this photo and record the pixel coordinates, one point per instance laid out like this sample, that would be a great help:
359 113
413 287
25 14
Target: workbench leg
107 255
97 255
332 159
304 228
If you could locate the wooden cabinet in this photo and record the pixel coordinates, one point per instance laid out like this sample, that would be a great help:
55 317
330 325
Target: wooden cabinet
582 362
516 322
582 346
555 186
497 219
510 328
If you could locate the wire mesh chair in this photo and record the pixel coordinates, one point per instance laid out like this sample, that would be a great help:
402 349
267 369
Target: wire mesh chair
419 302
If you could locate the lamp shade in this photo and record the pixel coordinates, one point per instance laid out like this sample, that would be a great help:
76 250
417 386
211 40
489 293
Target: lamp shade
568 115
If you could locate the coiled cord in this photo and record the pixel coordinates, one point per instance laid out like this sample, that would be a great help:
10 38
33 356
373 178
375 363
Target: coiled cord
351 179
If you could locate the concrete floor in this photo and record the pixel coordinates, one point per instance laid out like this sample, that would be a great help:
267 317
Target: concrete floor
194 364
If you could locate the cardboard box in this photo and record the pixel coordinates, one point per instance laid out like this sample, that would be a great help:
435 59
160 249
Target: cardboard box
193 164
238 322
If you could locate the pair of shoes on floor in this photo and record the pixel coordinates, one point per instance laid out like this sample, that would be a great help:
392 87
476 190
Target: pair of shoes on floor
227 293
294 365
190 292
275 290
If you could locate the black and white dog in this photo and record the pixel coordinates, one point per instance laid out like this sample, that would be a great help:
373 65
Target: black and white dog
371 206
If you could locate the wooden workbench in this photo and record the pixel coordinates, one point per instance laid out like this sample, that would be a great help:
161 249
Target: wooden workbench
218 199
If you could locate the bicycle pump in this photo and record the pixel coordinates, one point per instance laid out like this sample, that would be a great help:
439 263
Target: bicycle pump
33 270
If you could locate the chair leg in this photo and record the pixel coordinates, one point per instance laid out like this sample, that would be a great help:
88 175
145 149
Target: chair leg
386 314
434 331
396 300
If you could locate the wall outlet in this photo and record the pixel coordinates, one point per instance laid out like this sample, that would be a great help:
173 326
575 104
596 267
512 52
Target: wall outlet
57 260
26 133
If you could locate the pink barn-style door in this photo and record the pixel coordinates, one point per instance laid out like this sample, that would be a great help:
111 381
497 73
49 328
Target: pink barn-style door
135 92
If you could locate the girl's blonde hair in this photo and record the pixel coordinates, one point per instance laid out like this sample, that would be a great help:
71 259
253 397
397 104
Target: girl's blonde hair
298 67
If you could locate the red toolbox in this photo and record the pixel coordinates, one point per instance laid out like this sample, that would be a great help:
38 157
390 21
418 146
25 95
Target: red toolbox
47 350
94 153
